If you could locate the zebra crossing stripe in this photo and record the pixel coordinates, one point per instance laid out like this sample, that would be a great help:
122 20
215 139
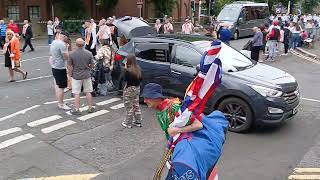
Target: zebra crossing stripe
44 120
118 106
15 140
9 131
305 174
57 126
19 112
109 101
91 115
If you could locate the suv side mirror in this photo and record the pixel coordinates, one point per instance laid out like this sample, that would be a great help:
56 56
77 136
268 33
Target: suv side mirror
241 20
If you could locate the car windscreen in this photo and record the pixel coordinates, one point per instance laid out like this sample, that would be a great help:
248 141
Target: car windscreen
229 14
232 60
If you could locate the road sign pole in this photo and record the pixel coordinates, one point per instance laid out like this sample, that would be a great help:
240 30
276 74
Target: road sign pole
199 12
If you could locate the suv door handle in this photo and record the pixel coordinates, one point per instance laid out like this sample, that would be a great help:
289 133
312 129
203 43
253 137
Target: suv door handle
175 72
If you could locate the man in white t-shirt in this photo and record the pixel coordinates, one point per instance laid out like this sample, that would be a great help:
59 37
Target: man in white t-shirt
104 32
187 27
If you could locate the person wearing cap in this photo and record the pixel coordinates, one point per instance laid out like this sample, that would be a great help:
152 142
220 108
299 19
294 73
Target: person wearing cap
27 35
59 56
195 153
166 108
273 38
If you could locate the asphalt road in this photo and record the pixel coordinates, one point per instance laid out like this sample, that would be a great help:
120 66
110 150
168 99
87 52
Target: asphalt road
98 144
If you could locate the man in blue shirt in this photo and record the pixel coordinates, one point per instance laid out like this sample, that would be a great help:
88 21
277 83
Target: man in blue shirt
225 34
3 30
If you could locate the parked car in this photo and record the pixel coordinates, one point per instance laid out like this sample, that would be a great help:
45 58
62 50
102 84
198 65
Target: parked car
250 92
242 16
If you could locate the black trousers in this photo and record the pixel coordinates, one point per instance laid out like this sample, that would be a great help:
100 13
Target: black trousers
286 47
26 43
255 52
115 40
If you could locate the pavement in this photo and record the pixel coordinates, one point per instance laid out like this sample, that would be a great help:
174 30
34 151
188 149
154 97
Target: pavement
39 140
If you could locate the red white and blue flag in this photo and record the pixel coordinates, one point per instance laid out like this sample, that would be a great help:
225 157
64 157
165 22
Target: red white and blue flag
195 154
201 88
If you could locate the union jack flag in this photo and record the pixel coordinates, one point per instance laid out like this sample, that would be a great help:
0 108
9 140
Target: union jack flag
201 88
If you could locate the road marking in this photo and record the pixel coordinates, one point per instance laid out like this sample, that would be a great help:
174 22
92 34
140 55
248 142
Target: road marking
307 170
109 101
314 100
65 100
30 79
15 140
65 177
19 112
304 177
32 59
10 131
305 174
57 126
43 120
118 106
91 115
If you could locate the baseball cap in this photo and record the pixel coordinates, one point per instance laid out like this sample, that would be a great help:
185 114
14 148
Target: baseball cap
152 91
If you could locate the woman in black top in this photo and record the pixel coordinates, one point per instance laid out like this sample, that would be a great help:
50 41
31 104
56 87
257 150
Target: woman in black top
131 92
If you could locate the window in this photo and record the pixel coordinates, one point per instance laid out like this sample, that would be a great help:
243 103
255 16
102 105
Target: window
153 55
187 57
13 12
154 52
34 12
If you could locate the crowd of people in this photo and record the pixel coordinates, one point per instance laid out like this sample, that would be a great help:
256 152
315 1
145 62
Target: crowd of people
285 32
164 26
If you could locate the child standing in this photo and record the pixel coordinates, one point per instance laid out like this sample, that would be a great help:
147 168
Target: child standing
131 92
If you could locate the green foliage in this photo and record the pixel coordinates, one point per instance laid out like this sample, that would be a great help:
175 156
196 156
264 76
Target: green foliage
219 5
108 4
164 7
73 9
309 5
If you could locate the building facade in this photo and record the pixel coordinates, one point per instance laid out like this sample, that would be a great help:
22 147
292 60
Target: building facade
43 10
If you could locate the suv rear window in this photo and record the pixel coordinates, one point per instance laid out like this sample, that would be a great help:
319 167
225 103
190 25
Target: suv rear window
153 55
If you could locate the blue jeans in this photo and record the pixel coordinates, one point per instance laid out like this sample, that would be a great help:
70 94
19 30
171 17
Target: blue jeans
295 40
272 49
50 39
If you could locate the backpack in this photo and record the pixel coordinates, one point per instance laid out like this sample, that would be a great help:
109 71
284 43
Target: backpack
276 34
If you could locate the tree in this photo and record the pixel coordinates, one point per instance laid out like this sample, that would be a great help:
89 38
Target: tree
71 9
108 4
164 7
309 5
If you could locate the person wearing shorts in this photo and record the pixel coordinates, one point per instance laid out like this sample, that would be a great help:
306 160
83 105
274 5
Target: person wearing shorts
80 65
59 56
